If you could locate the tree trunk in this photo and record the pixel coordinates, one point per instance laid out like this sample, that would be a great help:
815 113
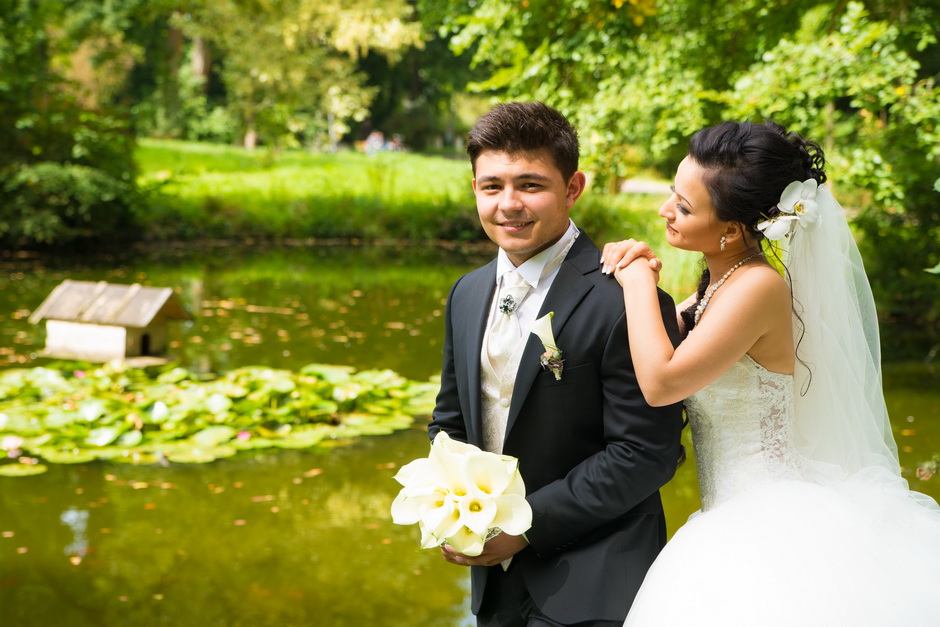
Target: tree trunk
202 61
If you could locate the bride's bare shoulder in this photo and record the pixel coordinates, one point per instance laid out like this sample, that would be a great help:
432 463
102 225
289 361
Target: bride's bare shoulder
764 287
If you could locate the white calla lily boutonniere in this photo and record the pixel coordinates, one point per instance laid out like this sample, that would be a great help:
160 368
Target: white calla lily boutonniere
462 496
551 358
797 206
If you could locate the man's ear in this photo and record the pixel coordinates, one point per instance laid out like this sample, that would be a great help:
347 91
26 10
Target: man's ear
576 186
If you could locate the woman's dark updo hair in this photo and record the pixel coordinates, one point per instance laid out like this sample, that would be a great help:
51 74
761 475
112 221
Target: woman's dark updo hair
747 166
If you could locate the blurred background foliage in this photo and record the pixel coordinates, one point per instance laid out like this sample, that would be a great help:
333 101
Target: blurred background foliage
80 82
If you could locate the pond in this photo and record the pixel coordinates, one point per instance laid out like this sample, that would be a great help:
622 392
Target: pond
286 537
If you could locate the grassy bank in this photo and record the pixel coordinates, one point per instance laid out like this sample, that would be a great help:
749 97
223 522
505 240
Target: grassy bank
210 191
207 191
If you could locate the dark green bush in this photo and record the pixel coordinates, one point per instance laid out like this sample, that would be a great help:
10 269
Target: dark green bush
59 203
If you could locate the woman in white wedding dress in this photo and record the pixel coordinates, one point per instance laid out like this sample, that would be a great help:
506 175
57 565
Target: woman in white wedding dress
805 517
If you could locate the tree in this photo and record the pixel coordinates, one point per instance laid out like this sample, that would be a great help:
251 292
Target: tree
66 169
289 66
639 77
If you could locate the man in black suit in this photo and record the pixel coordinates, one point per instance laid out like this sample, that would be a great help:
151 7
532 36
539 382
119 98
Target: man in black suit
593 454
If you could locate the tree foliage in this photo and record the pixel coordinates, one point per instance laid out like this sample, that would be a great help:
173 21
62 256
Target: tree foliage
289 66
66 169
640 76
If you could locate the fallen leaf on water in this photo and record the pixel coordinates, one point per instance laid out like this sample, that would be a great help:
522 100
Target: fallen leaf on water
76 560
262 498
240 523
389 465
313 472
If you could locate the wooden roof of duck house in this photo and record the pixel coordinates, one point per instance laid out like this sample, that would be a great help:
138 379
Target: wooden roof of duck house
106 303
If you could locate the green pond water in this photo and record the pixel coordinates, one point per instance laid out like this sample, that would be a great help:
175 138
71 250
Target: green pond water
273 537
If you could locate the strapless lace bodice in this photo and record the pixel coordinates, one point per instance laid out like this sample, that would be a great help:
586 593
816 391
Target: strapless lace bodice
742 431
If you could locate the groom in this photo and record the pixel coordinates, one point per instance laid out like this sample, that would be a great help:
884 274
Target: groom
592 453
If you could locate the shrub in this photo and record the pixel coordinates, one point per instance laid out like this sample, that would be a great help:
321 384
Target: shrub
56 203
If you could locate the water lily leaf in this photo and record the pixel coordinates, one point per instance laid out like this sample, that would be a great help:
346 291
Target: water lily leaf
102 436
72 456
329 373
303 437
131 438
198 455
22 470
91 409
173 376
213 436
218 403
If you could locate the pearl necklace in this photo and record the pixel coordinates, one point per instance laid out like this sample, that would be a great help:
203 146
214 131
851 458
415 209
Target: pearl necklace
711 291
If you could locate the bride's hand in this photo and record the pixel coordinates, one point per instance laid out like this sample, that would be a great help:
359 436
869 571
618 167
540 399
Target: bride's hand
618 255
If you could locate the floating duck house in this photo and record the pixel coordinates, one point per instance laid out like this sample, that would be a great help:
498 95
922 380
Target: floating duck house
100 321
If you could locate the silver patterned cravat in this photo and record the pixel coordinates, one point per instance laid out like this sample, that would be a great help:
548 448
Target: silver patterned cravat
505 334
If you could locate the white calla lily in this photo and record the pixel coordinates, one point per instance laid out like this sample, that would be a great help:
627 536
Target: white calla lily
467 542
543 330
513 514
461 495
477 511
551 357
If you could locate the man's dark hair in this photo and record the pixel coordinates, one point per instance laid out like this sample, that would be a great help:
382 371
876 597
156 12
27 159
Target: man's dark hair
523 128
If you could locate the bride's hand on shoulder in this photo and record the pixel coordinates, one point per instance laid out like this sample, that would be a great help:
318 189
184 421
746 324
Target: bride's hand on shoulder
638 257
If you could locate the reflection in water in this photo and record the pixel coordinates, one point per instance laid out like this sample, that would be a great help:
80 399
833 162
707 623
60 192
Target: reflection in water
77 520
284 537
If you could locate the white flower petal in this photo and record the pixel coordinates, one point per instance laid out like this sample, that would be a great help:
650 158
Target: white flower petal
477 512
443 440
466 542
407 510
792 193
444 520
514 514
417 471
776 228
488 473
543 330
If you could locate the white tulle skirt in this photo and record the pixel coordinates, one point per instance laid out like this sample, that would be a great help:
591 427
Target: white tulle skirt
798 554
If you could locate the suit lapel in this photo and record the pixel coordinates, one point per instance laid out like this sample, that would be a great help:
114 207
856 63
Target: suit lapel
568 289
476 327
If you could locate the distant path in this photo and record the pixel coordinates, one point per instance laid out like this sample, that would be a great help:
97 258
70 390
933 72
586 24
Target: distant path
640 186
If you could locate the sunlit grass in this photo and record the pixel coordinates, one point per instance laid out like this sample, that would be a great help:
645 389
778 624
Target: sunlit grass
223 191
211 190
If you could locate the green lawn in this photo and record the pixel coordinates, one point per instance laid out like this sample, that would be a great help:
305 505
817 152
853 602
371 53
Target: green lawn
205 191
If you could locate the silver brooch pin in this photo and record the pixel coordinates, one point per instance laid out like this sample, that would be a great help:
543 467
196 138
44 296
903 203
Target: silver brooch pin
507 304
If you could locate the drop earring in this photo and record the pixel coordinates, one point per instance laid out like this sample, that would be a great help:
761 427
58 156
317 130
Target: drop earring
724 240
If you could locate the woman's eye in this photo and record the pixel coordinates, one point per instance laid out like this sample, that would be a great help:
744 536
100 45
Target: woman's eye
682 209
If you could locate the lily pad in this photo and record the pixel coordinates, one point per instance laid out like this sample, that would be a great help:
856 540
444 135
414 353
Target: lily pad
213 436
22 470
74 456
199 455
102 436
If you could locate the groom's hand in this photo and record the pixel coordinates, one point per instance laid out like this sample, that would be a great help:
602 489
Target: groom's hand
496 550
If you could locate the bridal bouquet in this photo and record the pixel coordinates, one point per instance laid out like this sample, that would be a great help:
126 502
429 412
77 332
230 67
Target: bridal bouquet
462 496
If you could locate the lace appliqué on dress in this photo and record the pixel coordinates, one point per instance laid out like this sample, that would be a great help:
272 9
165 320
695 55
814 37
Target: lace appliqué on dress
742 431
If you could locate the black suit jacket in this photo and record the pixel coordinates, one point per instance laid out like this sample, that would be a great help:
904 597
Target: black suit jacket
592 453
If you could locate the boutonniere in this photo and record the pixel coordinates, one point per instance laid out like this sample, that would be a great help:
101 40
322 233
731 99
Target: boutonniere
551 357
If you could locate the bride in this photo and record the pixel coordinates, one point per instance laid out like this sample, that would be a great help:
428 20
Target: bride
805 518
